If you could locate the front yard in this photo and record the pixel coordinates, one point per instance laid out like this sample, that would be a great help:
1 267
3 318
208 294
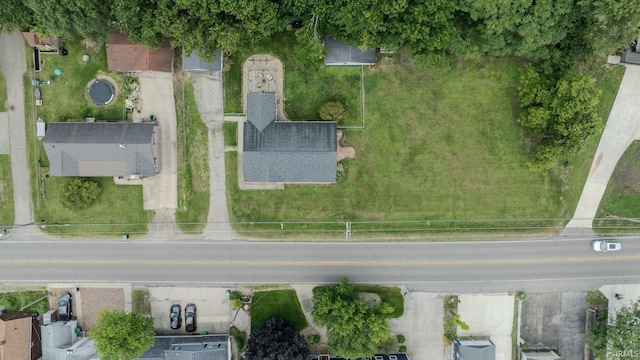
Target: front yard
118 210
6 191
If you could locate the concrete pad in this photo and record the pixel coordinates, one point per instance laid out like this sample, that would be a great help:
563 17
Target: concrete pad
4 134
630 293
489 315
422 325
213 308
541 320
574 314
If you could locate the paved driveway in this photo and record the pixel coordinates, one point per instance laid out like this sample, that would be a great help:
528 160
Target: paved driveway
12 65
156 94
622 128
212 305
489 315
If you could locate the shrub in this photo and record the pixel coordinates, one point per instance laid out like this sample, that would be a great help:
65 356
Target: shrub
237 303
333 110
522 296
235 295
79 193
313 339
401 339
402 349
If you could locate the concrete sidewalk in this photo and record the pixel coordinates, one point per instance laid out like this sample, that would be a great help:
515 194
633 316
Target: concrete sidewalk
622 128
13 66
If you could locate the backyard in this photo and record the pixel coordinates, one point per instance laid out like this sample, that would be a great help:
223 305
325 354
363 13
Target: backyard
118 209
441 150
308 84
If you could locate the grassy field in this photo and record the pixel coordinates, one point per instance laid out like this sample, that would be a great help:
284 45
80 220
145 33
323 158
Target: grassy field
6 192
3 93
307 84
13 301
622 197
193 165
283 304
118 209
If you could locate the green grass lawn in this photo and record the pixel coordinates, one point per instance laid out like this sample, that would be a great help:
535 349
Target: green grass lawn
6 192
283 304
13 301
307 84
622 197
193 165
116 211
230 131
3 93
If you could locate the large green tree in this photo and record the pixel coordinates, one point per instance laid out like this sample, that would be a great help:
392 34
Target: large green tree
142 20
518 27
90 19
561 116
619 338
354 328
14 13
122 336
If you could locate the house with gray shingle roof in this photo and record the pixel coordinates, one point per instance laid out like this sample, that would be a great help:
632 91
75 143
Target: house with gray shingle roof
101 149
189 347
339 53
474 350
286 151
192 62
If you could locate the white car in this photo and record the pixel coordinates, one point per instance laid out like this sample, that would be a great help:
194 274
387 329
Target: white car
606 245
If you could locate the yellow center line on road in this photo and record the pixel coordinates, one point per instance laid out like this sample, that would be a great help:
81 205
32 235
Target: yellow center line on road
318 262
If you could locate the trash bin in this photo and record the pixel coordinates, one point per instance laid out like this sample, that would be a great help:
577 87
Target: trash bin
152 117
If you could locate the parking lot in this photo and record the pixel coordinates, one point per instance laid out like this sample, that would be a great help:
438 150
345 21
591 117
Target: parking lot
213 308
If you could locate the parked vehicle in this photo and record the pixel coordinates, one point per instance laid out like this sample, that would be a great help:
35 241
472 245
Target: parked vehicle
175 315
64 307
606 245
190 317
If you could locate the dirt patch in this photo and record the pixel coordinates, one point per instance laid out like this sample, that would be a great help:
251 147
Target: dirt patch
91 45
370 299
345 152
385 64
2 186
95 300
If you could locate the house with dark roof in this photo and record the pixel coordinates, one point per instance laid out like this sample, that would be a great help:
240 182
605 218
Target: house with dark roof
101 149
286 151
60 342
339 53
125 55
19 336
190 347
192 62
474 349
375 357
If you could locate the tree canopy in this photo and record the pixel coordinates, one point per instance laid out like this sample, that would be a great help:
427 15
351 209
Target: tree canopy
354 328
122 336
277 339
561 116
620 336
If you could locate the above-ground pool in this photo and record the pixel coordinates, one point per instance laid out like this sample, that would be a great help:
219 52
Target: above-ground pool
101 92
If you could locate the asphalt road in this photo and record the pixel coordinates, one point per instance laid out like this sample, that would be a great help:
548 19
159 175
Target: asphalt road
533 266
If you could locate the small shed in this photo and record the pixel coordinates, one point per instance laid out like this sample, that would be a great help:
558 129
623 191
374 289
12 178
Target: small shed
41 128
193 62
339 53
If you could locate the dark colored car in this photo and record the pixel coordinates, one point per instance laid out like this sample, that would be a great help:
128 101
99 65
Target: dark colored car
64 307
190 317
175 316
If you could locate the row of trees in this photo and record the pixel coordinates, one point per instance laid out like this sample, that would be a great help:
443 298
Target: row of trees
542 29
